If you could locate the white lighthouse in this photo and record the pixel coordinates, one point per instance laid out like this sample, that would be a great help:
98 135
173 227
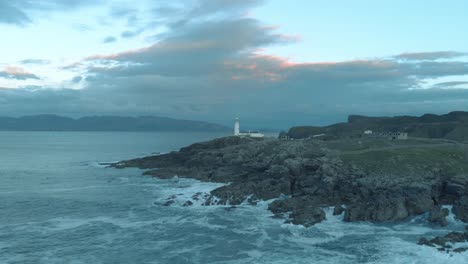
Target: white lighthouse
239 133
237 127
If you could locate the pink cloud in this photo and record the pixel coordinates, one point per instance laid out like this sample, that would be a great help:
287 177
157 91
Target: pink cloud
15 72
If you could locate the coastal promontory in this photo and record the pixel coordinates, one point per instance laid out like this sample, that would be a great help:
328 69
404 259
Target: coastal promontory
367 178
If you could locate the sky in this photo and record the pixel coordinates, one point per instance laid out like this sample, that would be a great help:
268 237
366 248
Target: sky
272 63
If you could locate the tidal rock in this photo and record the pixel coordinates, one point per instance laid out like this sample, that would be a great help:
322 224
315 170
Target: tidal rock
169 203
460 249
339 209
424 241
307 216
382 207
460 209
457 237
188 203
438 215
441 241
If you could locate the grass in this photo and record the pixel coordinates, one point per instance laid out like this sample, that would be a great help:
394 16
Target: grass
374 143
451 160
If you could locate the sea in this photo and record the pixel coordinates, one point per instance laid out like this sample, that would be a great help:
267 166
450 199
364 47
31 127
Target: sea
59 203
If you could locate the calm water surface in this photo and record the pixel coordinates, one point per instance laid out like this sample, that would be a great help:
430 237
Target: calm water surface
58 205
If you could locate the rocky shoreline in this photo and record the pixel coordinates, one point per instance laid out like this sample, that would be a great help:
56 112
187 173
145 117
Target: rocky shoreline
446 243
373 180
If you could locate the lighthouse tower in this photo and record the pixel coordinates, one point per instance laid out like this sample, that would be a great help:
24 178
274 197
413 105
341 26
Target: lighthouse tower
237 127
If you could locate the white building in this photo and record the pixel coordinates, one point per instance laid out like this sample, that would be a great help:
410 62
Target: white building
239 133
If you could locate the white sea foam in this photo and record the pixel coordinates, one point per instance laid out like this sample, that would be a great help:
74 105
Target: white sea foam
182 190
400 251
101 164
332 230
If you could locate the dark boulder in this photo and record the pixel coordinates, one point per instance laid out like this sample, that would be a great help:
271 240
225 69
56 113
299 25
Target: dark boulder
188 203
378 208
438 215
338 209
169 203
307 216
441 241
460 249
456 237
425 242
460 209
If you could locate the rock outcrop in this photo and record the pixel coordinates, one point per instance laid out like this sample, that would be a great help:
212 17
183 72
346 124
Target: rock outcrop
374 183
447 243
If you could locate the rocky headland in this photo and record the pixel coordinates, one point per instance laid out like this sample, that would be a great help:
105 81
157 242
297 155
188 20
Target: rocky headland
452 126
367 179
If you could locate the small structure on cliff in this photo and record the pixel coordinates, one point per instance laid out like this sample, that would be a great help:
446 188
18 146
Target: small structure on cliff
390 135
239 133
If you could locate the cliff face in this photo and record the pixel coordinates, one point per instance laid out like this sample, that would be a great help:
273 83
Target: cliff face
368 179
452 126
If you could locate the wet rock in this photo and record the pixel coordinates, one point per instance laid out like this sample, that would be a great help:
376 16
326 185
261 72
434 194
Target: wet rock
230 208
307 216
443 249
382 207
424 241
438 215
460 209
440 241
454 188
252 201
169 203
460 249
456 237
338 210
280 207
188 203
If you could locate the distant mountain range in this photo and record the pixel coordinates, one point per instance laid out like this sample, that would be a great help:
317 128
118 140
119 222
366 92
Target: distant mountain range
104 123
452 126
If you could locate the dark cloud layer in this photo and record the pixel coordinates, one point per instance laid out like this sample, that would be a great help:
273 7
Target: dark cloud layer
431 55
210 65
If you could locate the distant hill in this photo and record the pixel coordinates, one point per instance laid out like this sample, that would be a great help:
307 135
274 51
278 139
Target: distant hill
104 123
453 126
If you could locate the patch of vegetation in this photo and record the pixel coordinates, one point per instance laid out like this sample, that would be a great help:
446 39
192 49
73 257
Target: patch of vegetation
451 160
366 143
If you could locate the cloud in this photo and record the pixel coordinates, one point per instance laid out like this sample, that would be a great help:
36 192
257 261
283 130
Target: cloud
77 79
13 72
11 14
452 84
196 48
17 12
109 39
210 64
130 33
235 7
35 61
431 55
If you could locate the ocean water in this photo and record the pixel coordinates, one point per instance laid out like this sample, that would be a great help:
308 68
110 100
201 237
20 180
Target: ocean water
59 205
